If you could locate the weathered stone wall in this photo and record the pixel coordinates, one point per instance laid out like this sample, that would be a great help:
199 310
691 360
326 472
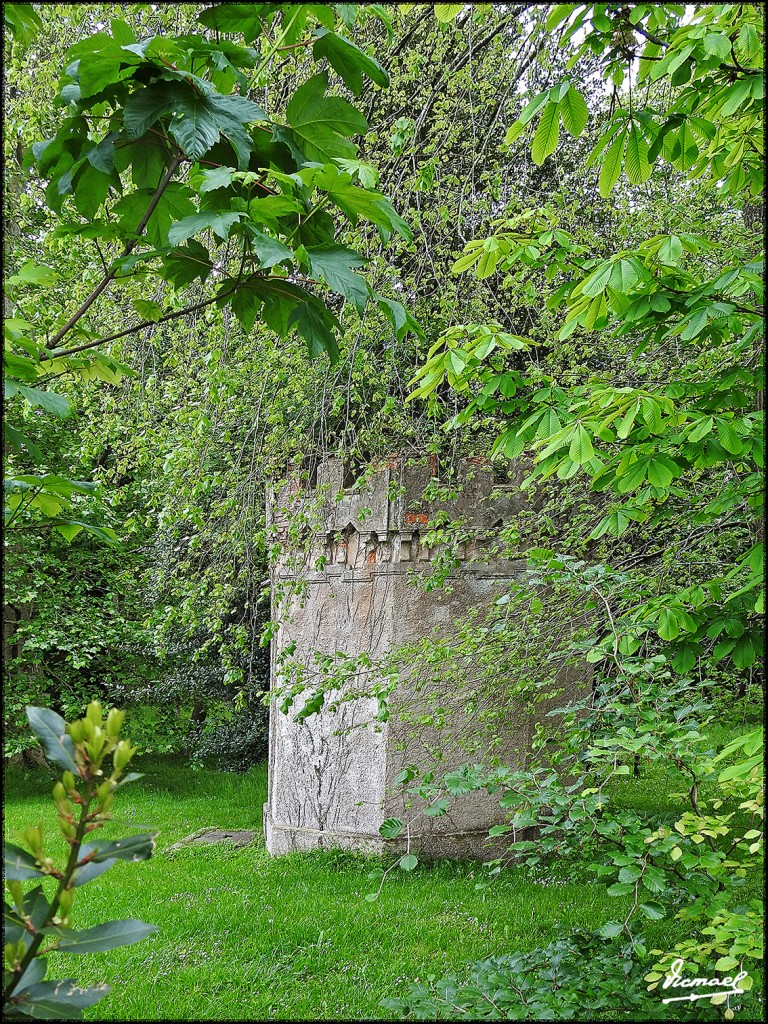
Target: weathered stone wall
331 778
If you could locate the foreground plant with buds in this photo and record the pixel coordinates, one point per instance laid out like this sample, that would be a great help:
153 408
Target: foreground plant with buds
36 926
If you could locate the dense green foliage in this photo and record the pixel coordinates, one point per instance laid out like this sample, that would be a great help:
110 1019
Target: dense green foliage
508 986
676 444
678 439
205 207
120 83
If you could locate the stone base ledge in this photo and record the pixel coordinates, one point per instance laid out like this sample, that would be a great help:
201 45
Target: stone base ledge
475 845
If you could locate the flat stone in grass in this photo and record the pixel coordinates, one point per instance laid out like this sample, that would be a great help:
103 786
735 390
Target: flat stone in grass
237 837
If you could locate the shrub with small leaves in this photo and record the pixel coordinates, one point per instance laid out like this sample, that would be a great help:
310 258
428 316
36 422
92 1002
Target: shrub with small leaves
36 925
238 741
578 975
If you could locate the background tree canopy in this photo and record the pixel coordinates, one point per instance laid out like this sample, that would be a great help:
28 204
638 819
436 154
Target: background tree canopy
243 238
213 191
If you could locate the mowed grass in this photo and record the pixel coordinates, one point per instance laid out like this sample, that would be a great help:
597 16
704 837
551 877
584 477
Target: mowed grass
244 936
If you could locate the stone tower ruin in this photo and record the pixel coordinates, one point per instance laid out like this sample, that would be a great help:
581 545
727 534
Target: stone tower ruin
356 585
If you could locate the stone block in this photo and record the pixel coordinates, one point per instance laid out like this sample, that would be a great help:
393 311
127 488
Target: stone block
332 777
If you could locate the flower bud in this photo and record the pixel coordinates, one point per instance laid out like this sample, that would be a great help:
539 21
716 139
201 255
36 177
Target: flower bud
59 793
122 755
104 790
66 809
106 795
66 898
69 781
115 721
33 834
93 713
96 744
17 892
12 958
76 730
68 830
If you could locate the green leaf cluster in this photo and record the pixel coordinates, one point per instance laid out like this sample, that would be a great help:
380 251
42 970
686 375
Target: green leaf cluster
36 926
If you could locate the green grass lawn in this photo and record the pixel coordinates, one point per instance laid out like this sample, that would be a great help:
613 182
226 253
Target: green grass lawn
247 936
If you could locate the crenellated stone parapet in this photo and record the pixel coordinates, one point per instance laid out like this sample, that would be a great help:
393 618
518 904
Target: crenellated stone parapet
387 518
